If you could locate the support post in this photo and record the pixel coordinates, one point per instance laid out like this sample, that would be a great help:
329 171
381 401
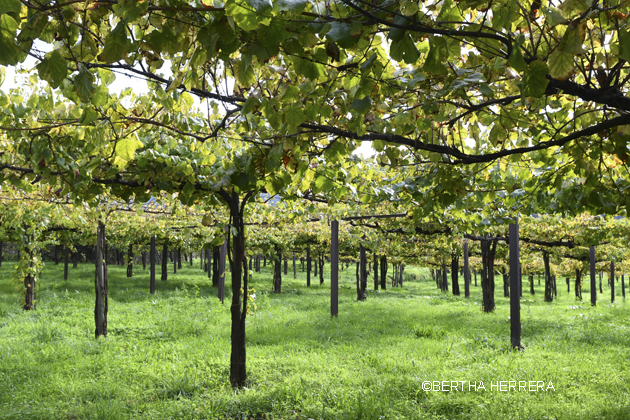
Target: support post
466 272
612 282
100 308
66 261
515 299
593 280
152 255
334 268
308 266
222 254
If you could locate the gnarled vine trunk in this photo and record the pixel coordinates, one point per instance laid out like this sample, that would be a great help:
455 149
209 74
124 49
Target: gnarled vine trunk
488 252
455 274
130 261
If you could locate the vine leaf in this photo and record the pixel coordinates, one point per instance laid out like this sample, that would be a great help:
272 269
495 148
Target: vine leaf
53 69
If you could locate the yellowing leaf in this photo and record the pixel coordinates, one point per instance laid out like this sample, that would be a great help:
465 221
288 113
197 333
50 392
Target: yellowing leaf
126 148
560 65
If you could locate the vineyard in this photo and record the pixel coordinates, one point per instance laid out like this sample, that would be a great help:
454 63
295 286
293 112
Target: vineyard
314 209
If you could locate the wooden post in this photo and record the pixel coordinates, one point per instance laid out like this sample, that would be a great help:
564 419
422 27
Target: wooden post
152 255
308 266
66 261
222 254
100 309
376 281
515 300
334 268
593 280
466 271
612 282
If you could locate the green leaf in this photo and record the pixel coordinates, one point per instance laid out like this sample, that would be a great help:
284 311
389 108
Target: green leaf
117 45
273 158
369 63
361 106
84 83
560 65
245 18
405 50
516 59
100 96
307 68
624 44
324 184
409 8
535 79
10 6
243 72
553 16
295 6
497 135
294 116
130 10
341 33
437 54
9 51
88 115
53 68
261 6
573 39
126 148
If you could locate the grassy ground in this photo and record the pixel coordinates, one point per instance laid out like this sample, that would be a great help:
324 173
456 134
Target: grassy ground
166 355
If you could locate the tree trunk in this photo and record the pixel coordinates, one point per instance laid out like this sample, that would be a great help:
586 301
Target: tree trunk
101 306
179 258
316 264
488 252
531 284
384 272
238 309
548 279
144 260
294 267
130 261
455 274
402 270
475 274
29 284
75 259
1 246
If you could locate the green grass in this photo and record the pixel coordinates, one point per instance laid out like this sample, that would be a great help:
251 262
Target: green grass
166 356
